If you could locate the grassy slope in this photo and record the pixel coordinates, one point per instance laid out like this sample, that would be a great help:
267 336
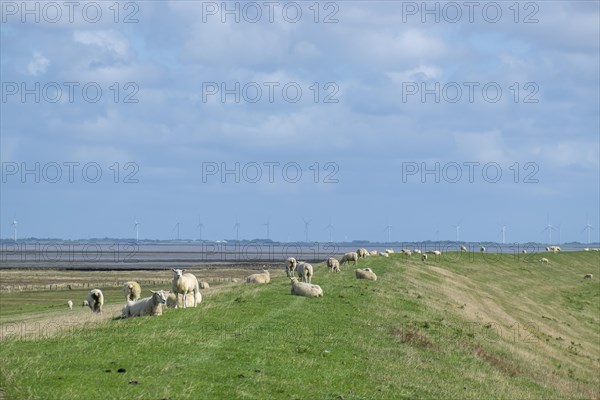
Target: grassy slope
462 326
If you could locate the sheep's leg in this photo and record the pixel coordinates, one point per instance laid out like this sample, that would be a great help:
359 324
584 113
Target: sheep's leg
195 303
184 298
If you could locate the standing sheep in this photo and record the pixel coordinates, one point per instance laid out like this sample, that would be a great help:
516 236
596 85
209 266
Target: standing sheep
173 300
366 273
70 304
463 247
374 253
304 271
482 249
544 260
95 300
305 289
150 306
389 251
352 256
263 277
290 267
132 291
588 276
333 264
184 284
362 253
423 257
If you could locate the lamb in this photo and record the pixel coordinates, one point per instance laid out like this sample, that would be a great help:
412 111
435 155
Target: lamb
305 289
95 300
85 304
304 271
173 300
423 257
482 249
362 253
263 277
366 273
588 276
352 256
150 306
132 290
463 247
544 260
184 284
373 252
333 264
70 304
290 267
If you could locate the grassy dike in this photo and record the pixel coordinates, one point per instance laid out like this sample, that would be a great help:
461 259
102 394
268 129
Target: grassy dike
459 326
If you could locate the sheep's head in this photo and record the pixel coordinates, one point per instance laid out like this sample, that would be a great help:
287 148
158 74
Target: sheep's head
160 296
177 273
293 280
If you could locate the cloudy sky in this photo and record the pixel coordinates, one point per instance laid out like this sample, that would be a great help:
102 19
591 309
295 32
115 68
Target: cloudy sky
367 114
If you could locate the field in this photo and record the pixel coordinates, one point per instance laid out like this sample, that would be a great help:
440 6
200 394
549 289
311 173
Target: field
460 326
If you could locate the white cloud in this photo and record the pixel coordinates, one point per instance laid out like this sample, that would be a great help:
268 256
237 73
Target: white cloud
38 64
109 40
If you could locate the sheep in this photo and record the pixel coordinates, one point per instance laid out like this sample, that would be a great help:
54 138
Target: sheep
290 267
304 271
389 251
85 304
263 277
70 304
588 276
524 251
434 252
463 247
150 306
204 285
95 300
373 252
544 260
556 249
366 273
362 253
406 252
423 257
586 249
173 300
352 256
333 264
482 249
132 290
384 254
417 251
184 283
305 289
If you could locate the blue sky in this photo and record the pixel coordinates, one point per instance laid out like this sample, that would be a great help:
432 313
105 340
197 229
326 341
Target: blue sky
375 114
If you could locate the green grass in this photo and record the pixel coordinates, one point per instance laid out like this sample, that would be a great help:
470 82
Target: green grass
462 326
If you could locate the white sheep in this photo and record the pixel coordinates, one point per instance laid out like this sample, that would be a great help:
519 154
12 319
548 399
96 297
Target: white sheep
333 264
70 304
263 277
544 260
384 254
373 252
423 257
150 306
184 284
389 251
85 304
417 251
95 300
366 273
290 267
204 285
132 291
588 276
362 253
406 252
352 256
304 271
482 249
524 251
434 252
305 289
463 247
586 249
173 300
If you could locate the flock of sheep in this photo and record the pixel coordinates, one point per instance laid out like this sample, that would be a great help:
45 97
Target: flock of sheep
188 285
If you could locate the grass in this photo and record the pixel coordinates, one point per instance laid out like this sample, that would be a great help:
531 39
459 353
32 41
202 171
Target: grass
459 326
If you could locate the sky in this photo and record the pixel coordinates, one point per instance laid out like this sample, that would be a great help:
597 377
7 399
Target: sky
359 115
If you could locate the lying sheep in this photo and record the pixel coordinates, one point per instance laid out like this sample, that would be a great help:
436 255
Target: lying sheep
263 277
348 257
586 249
173 301
305 289
544 260
95 300
423 257
85 304
132 291
588 276
333 264
373 252
366 273
406 252
150 306
290 267
524 251
70 304
463 247
389 251
384 254
204 285
434 252
184 284
417 251
362 253
304 271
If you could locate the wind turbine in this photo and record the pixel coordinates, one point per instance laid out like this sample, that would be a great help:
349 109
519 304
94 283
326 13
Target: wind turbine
588 228
268 225
388 228
136 228
14 226
177 228
457 227
200 226
503 231
330 228
236 226
306 223
549 228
